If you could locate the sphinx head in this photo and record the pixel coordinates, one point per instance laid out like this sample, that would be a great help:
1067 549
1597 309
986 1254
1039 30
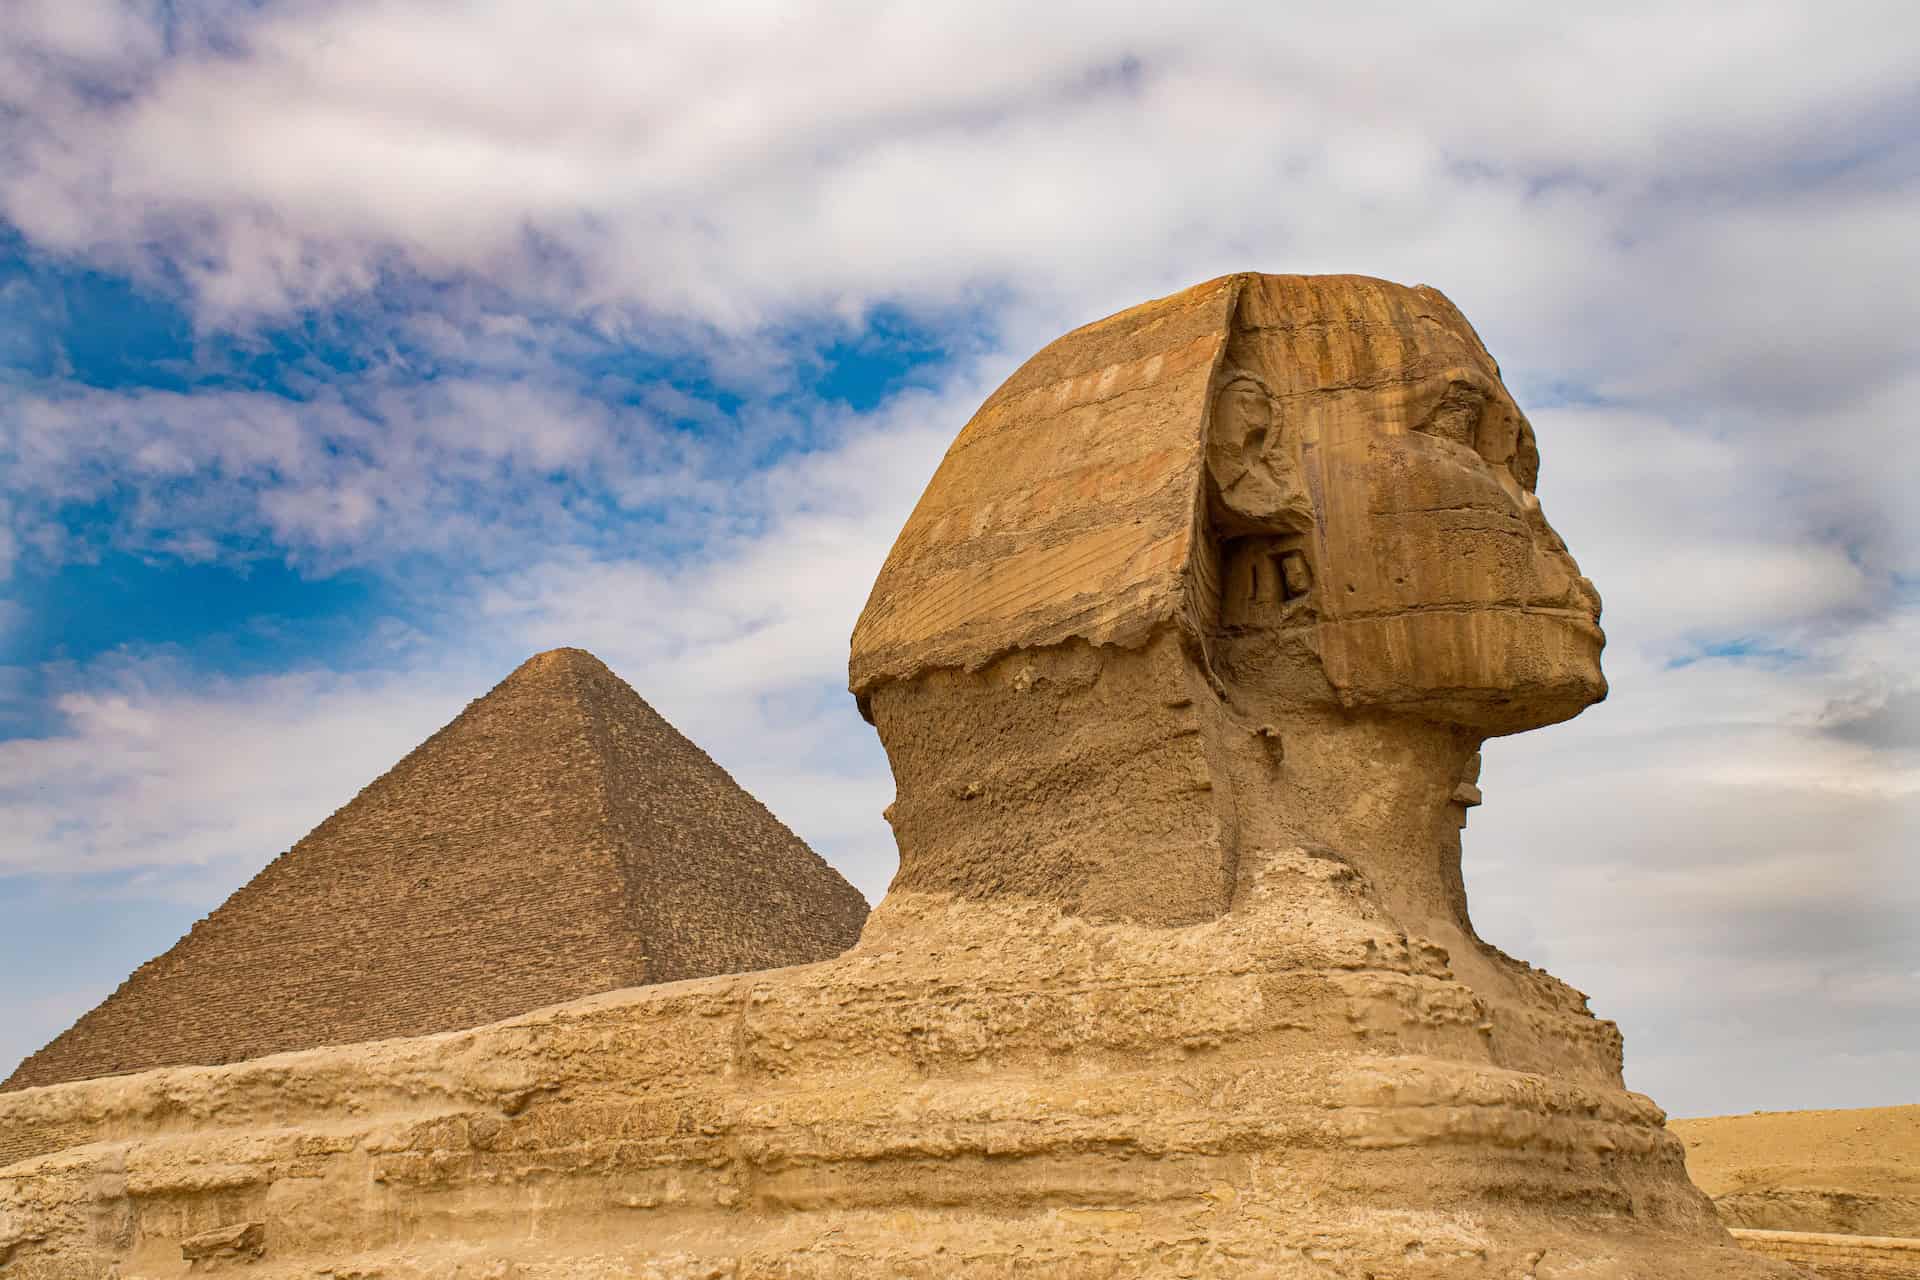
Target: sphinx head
1267 506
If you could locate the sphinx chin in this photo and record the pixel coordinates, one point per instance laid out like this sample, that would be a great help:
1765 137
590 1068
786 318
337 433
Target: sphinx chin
1493 669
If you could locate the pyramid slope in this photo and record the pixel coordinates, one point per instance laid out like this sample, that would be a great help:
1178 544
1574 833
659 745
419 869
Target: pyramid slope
694 845
557 838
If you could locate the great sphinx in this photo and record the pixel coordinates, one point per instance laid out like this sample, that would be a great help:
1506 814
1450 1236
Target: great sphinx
1183 664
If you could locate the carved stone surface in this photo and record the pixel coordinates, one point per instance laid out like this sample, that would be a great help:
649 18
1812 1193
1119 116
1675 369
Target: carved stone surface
1182 665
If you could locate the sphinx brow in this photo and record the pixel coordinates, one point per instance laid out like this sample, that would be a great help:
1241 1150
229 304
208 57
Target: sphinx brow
1465 376
1241 377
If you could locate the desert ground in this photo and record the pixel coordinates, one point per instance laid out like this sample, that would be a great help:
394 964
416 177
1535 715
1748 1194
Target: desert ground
1850 1172
1785 1179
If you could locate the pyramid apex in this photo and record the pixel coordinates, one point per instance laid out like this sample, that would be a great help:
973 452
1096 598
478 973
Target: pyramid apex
565 658
566 653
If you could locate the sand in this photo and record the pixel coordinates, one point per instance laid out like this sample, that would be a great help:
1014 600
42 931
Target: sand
1850 1172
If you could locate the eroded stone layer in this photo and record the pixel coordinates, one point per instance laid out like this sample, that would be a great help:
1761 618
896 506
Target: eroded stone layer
1294 1088
1838 1257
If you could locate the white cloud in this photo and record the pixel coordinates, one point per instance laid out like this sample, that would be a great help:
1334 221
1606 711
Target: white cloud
152 770
1726 876
1693 533
375 467
733 165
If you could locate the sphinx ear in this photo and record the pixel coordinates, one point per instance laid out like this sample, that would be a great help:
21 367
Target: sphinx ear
1253 465
1526 457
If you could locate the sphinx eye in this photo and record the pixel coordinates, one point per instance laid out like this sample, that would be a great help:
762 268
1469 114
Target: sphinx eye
1526 459
1456 415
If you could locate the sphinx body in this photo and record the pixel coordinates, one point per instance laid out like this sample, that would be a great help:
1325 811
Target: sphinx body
1182 665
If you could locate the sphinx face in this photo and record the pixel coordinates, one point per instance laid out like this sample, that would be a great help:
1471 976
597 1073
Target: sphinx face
1444 591
1393 526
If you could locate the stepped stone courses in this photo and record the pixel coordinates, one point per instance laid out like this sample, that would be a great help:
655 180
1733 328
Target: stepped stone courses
1182 664
1838 1257
556 839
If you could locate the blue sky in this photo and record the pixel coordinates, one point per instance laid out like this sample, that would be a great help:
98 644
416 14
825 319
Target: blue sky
351 352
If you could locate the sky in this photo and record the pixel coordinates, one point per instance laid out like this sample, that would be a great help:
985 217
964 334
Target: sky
350 353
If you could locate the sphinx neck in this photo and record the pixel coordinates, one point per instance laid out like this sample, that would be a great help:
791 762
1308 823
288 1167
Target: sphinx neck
1380 790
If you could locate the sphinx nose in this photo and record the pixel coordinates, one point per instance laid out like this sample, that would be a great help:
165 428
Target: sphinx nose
1559 575
1536 519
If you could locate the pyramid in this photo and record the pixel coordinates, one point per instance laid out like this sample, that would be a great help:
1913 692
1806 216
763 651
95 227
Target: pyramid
557 839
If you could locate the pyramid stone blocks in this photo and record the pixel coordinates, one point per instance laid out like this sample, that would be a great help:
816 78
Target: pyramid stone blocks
558 838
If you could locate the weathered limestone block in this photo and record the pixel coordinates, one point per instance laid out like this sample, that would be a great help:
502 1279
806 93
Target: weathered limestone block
1182 665
242 1241
1839 1257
